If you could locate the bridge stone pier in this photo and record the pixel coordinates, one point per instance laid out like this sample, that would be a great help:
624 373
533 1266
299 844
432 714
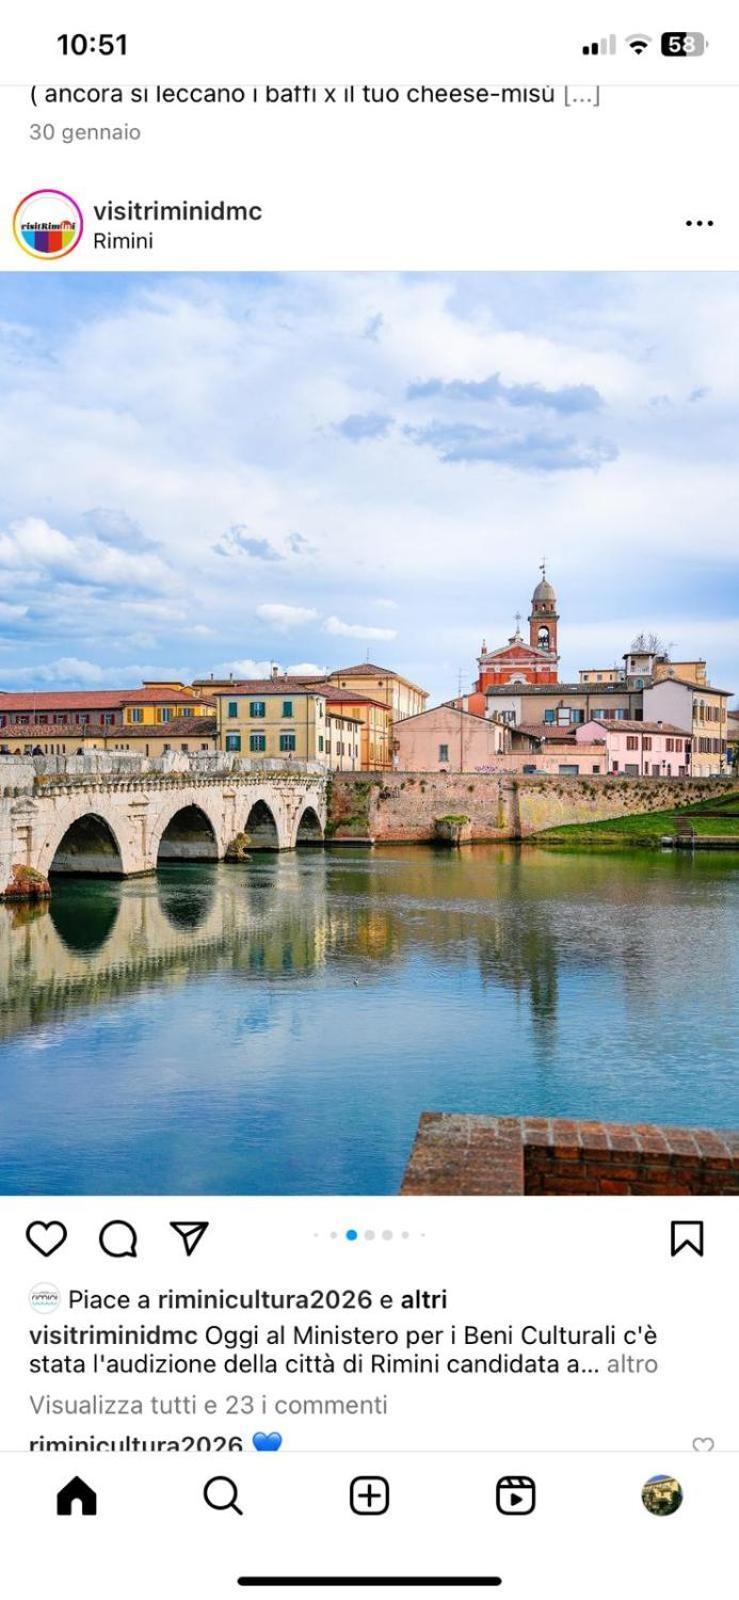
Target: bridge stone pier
119 815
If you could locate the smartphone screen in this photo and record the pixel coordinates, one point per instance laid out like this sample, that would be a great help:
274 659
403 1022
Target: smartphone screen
369 801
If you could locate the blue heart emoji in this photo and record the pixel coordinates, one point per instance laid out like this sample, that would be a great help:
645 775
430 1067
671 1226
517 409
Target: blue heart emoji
266 1441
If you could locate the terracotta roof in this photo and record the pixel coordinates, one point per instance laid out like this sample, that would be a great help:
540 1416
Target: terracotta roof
267 686
179 727
560 688
554 733
347 697
369 669
62 700
626 725
92 699
689 683
448 705
157 696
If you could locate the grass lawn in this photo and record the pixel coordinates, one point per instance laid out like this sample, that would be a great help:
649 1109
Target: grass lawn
649 828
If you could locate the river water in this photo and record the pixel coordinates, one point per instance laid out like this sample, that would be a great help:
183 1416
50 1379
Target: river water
277 1027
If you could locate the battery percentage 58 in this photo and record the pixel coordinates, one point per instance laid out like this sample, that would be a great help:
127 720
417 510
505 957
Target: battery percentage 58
683 44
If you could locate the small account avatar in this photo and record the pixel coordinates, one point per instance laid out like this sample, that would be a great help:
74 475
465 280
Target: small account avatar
662 1495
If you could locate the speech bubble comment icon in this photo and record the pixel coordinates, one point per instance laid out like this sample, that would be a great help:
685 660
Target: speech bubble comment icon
118 1238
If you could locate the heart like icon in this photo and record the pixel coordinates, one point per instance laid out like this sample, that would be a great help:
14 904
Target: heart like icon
46 1237
703 1444
266 1441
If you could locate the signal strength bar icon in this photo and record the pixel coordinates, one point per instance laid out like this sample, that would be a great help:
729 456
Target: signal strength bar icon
602 47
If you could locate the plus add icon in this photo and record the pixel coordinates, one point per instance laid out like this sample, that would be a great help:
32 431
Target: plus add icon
369 1497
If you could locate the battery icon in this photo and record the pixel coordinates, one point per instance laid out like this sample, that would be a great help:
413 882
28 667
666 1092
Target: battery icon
683 44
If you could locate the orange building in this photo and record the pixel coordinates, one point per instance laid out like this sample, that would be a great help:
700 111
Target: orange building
519 661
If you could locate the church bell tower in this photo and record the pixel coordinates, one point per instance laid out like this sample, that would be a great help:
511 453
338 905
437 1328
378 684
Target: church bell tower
544 616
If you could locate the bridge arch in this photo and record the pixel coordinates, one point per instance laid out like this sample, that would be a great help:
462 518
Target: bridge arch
262 826
189 835
83 841
184 826
309 828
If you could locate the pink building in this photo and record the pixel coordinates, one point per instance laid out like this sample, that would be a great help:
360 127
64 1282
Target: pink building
639 749
447 739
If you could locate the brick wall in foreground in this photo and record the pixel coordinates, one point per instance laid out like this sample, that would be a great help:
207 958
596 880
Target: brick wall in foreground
465 1155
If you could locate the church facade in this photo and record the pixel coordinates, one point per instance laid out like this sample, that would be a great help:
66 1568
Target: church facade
535 660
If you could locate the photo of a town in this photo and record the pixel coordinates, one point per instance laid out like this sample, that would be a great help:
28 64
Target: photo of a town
369 734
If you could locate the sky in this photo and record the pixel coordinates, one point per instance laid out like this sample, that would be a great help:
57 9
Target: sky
211 473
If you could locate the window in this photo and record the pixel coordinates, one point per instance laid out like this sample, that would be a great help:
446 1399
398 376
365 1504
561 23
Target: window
669 744
83 717
614 768
443 752
549 716
61 716
42 718
596 769
165 714
184 748
646 742
287 741
320 743
632 743
137 714
257 708
287 708
233 741
569 772
233 708
257 742
107 719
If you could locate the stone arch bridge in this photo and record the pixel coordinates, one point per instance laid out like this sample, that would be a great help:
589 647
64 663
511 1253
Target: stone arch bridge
120 817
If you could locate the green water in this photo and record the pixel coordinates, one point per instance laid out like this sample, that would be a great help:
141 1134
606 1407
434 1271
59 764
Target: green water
278 1027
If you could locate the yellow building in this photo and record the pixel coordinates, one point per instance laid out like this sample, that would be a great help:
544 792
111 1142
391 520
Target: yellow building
159 703
602 675
151 720
702 709
282 720
693 671
402 697
375 727
189 735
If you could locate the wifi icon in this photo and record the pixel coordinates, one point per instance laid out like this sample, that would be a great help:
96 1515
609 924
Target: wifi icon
638 42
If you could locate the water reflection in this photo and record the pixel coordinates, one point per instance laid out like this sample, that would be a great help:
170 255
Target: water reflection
279 1025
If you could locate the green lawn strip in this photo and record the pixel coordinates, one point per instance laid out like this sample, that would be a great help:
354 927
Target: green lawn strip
649 828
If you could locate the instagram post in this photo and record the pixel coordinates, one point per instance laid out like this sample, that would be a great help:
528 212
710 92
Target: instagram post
369 803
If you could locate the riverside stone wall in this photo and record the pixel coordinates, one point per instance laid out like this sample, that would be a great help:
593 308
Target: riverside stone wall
396 807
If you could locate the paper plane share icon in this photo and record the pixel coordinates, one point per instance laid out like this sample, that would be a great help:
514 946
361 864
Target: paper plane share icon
190 1233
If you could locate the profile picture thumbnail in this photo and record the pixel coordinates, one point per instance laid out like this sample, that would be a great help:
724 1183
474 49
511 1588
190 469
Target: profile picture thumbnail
662 1495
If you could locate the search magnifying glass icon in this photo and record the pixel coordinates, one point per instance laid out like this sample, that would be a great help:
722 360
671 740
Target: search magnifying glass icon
221 1494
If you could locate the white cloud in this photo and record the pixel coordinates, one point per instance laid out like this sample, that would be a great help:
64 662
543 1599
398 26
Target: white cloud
357 630
284 616
32 547
245 668
223 416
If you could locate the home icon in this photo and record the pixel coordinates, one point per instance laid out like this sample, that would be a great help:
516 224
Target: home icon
75 1491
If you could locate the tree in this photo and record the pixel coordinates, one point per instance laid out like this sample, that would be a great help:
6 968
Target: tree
649 644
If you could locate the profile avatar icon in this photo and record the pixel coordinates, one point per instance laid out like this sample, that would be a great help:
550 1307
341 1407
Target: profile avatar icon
662 1495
